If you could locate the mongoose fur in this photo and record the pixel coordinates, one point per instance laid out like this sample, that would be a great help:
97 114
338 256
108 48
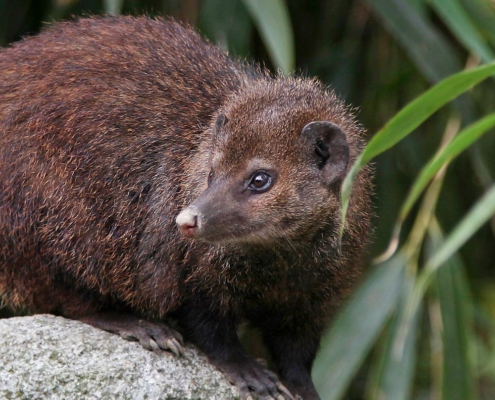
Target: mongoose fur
144 174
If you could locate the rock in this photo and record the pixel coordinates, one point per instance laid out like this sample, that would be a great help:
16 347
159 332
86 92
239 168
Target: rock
47 357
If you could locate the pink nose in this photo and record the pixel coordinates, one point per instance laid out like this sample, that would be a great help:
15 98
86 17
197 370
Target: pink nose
187 221
188 228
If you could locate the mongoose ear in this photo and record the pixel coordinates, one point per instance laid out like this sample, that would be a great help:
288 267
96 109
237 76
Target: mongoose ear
220 122
329 146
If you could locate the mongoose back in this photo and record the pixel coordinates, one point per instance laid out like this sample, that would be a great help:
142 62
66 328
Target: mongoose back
144 174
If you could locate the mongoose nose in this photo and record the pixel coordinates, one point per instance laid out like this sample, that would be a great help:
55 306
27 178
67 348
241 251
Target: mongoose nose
187 221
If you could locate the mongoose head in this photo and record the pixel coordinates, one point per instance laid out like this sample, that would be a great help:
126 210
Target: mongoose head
276 159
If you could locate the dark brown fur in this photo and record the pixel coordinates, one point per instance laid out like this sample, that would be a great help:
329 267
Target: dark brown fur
107 131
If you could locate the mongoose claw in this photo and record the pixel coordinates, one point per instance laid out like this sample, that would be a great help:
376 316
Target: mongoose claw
286 392
154 346
152 335
159 333
174 346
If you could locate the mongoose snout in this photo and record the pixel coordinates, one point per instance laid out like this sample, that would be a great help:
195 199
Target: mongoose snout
189 221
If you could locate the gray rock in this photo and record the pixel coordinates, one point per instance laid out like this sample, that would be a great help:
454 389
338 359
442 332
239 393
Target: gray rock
47 357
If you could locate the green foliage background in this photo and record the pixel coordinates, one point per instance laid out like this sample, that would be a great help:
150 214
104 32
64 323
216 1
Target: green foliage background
421 325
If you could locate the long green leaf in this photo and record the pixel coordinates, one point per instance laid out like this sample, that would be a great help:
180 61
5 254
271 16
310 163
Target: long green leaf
483 13
461 25
481 212
394 376
356 328
462 141
428 49
410 117
272 20
457 333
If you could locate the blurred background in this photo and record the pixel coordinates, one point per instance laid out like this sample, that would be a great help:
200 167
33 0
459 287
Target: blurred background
378 55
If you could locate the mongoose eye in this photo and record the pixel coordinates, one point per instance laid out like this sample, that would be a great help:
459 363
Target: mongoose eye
260 181
210 177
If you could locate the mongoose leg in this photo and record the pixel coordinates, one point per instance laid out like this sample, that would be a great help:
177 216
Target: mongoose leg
152 335
294 355
215 334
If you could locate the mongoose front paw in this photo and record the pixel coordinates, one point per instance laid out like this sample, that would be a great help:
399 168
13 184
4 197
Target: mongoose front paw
254 381
152 335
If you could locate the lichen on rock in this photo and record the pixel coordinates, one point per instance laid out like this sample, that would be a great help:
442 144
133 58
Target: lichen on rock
48 357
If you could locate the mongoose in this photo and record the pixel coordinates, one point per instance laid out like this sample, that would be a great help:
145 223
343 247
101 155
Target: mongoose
146 175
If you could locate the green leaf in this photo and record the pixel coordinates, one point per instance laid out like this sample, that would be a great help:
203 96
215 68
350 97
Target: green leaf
481 212
462 141
456 18
483 13
457 322
113 7
356 328
410 117
394 375
428 49
227 24
273 22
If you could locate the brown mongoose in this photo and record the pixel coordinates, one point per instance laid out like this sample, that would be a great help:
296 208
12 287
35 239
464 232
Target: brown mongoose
144 174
